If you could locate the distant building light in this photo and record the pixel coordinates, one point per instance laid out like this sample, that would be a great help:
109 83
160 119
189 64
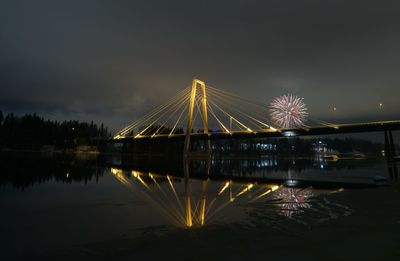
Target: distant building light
291 183
320 147
289 133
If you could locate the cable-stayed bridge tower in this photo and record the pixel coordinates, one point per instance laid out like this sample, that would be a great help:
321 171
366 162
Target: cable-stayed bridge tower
195 84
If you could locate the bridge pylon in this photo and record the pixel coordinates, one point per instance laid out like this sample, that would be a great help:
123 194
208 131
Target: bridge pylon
195 84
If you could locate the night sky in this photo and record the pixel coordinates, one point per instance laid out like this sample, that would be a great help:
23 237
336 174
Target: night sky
111 61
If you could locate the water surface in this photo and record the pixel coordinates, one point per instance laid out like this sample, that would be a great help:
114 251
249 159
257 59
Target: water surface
87 207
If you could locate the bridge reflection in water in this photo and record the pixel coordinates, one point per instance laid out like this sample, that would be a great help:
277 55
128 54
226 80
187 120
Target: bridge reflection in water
209 198
194 207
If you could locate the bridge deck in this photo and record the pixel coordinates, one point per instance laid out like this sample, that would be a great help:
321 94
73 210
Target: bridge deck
312 131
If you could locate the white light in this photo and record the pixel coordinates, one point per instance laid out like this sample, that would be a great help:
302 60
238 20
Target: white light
289 133
291 183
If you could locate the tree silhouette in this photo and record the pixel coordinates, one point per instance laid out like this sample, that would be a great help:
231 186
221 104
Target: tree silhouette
31 131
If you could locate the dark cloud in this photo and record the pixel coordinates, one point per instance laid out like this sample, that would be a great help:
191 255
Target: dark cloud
113 60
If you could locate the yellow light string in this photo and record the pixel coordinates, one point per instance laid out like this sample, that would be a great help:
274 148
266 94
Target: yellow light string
247 118
175 211
152 123
164 109
175 194
225 93
160 205
229 95
258 123
171 115
232 104
252 118
213 114
198 108
176 123
241 124
154 111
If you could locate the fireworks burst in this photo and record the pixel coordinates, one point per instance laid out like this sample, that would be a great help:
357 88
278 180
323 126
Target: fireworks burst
288 111
294 200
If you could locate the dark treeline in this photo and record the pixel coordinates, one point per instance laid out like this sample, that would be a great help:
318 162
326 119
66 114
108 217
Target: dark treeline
31 131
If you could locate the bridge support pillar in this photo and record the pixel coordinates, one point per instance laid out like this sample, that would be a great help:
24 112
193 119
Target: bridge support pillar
188 208
192 102
203 202
390 150
390 153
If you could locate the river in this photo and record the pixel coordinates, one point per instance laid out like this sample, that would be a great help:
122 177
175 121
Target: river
60 207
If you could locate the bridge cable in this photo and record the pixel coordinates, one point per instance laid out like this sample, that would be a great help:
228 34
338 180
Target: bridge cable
155 111
234 105
171 115
156 120
213 114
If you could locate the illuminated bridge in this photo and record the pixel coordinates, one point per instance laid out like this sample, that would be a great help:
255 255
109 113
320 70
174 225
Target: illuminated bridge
204 113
